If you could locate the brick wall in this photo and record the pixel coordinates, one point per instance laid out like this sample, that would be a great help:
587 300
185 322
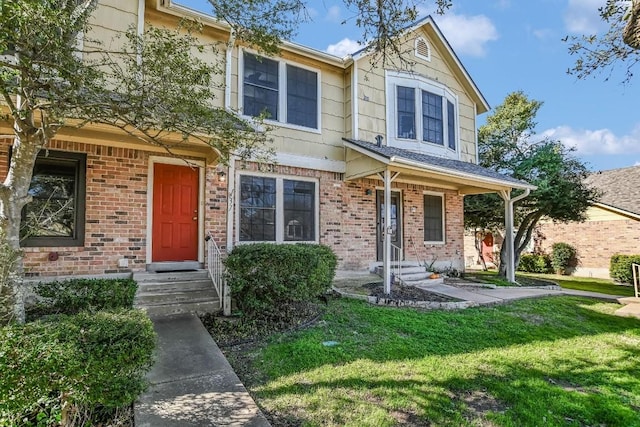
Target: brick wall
116 214
348 219
595 242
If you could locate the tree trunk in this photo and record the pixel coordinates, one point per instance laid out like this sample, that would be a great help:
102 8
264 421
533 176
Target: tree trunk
14 195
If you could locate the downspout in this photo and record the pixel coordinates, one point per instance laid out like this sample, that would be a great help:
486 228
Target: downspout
231 172
354 102
140 28
508 218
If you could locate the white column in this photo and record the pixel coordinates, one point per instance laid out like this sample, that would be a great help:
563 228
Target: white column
387 232
508 235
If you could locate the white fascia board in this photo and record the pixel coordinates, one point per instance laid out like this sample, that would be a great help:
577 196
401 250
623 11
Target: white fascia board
459 174
286 159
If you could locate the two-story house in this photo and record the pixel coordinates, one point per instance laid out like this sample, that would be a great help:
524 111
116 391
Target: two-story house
372 162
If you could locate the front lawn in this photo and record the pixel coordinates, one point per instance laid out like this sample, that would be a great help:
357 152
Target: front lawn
590 284
555 361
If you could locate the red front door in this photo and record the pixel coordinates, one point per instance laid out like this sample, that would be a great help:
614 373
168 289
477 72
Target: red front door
175 213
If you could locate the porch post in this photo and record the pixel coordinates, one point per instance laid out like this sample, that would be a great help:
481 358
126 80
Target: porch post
508 235
386 254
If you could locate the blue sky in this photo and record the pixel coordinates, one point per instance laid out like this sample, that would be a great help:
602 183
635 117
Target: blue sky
509 45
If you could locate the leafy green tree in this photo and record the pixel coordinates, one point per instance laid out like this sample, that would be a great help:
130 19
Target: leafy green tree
48 81
618 46
507 144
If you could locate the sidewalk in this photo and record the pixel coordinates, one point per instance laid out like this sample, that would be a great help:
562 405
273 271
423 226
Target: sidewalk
191 383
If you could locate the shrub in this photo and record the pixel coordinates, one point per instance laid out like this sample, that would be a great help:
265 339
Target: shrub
75 295
75 368
262 276
620 267
563 256
535 263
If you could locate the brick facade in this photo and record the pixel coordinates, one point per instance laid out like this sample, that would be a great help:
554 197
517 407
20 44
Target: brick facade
595 242
116 215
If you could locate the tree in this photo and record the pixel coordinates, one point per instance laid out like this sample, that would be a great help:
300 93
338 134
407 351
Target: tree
47 81
506 143
619 45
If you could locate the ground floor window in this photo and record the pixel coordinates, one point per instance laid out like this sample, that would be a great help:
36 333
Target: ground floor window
434 218
55 217
277 209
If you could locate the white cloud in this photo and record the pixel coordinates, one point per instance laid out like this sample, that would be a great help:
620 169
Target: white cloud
468 34
311 12
543 33
601 141
334 14
344 47
581 16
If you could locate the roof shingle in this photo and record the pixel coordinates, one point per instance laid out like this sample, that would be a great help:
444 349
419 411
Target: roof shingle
620 188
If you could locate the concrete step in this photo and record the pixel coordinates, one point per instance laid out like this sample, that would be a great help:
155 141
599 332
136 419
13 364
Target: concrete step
412 270
193 285
170 276
174 266
150 298
415 276
175 292
208 306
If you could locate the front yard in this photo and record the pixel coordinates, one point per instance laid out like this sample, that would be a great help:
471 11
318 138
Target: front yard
553 361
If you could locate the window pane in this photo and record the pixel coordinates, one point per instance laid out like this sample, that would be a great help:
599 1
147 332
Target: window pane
432 130
257 209
299 210
433 219
451 125
260 86
302 97
406 112
52 213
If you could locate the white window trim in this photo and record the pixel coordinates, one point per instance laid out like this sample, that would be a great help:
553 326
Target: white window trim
418 55
420 83
444 219
282 91
279 208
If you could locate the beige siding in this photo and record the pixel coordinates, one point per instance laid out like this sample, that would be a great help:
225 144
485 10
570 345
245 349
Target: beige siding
110 20
595 213
372 98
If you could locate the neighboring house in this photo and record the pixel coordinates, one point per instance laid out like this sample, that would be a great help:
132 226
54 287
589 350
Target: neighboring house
612 225
345 134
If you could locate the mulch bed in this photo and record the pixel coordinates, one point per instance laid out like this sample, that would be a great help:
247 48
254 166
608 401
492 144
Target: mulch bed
406 293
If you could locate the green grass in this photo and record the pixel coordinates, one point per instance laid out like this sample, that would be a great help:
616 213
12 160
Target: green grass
590 284
560 361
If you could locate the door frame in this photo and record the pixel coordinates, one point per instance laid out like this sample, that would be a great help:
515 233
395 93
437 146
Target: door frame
200 164
379 195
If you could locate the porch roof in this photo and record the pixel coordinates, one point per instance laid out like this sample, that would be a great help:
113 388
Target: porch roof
367 160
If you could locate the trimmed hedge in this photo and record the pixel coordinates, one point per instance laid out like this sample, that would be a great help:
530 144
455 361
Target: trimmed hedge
563 256
264 275
73 369
535 263
75 295
620 267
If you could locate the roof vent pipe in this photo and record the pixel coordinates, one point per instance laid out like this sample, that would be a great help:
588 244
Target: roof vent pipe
379 140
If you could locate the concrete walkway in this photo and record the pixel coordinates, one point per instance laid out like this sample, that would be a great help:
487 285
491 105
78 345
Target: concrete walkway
191 383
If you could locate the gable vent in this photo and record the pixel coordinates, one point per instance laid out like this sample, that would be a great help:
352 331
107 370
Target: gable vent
422 49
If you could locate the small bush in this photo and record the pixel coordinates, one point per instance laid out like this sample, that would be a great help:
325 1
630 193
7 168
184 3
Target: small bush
262 276
75 295
620 267
563 256
70 370
535 263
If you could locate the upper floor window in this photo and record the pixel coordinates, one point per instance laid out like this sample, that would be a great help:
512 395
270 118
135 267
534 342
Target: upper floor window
421 112
285 92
